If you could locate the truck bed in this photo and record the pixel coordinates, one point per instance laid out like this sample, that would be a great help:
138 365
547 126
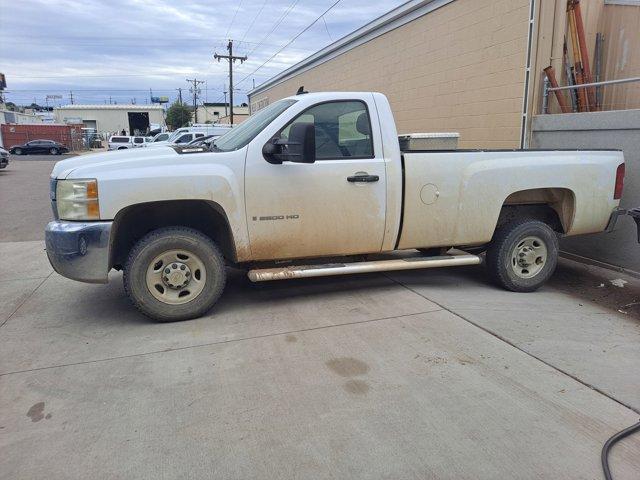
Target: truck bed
455 197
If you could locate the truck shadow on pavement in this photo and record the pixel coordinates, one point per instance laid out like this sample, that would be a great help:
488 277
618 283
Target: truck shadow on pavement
585 284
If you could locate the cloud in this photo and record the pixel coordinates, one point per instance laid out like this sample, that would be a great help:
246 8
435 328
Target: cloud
121 48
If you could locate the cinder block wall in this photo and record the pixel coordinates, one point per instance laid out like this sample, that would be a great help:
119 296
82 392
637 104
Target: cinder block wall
458 68
616 130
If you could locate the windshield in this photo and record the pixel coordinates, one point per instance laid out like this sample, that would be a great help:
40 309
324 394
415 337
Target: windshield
239 136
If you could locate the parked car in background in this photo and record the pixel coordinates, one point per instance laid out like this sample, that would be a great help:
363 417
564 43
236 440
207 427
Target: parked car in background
4 158
122 142
38 147
205 141
185 135
161 137
182 138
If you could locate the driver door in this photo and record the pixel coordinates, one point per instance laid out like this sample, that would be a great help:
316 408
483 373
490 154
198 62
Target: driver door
31 147
326 208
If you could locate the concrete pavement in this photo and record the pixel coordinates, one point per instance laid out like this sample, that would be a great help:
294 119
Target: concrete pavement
24 197
432 374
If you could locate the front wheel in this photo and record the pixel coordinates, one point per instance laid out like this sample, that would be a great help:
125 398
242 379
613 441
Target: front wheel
54 151
174 273
522 255
18 151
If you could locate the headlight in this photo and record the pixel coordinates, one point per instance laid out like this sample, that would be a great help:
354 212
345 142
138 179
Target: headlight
78 199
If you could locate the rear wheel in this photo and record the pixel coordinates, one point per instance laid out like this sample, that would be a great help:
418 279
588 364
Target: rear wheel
522 255
174 273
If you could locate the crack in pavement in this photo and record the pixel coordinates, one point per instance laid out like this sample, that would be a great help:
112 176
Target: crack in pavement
25 300
220 342
508 342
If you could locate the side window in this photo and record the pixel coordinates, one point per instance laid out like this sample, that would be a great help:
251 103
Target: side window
184 138
343 129
138 140
198 135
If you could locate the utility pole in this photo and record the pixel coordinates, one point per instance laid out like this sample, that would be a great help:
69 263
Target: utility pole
231 60
179 94
225 104
195 90
71 96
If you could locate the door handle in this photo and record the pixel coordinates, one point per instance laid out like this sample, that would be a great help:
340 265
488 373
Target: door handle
363 178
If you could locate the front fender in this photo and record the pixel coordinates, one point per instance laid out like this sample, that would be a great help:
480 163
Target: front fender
211 177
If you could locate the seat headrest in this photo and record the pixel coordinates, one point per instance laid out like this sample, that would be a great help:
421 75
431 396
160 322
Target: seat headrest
362 124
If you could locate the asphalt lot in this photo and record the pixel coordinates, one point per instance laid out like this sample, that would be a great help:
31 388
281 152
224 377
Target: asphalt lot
432 374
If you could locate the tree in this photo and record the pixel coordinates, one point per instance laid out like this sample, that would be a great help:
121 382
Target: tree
178 115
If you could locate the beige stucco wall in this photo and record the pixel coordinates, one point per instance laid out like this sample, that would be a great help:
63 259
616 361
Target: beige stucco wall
458 68
237 117
208 113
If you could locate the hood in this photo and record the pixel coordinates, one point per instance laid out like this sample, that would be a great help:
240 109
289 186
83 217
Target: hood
83 166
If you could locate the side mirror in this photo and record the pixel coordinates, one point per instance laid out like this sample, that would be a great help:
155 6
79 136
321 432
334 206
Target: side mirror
300 147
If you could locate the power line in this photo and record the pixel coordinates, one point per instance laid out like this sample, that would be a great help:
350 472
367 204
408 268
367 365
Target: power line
276 25
326 27
97 90
292 40
233 19
253 21
99 76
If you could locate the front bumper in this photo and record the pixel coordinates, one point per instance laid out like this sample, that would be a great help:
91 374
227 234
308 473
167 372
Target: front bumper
79 250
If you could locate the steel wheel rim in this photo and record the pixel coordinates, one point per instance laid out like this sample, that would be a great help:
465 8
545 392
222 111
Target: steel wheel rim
53 151
176 277
529 257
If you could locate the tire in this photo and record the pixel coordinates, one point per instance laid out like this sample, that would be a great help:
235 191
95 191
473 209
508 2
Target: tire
18 151
54 151
522 255
154 272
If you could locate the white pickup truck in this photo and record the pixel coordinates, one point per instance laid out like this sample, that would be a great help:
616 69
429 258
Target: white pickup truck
313 185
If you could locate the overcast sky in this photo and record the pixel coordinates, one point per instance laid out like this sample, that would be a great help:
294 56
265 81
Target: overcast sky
121 48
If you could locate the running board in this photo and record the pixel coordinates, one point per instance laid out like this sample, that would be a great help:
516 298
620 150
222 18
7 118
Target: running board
323 270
